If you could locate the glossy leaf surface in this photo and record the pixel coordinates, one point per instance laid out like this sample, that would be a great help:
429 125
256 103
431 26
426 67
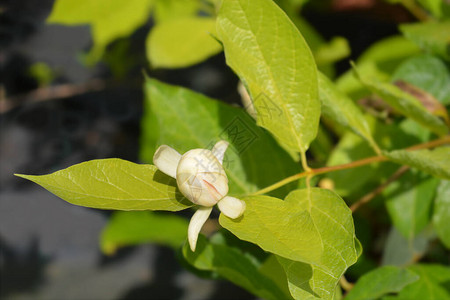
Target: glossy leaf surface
275 64
114 184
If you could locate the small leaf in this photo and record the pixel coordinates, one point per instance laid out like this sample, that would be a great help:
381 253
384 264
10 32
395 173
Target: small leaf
381 281
230 263
275 64
404 103
432 284
186 120
409 201
313 227
182 42
441 214
138 227
435 162
337 106
439 8
114 184
433 37
337 49
385 55
109 19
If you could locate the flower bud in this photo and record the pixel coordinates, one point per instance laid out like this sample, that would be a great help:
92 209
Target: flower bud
201 177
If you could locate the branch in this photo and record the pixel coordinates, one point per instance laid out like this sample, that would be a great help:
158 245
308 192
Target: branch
365 199
58 92
358 163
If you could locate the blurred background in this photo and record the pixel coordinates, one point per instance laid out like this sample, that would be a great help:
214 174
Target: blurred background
60 106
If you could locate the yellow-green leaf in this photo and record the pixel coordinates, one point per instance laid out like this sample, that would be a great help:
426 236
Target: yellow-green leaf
312 231
114 184
435 162
182 42
337 106
109 19
404 103
275 64
381 281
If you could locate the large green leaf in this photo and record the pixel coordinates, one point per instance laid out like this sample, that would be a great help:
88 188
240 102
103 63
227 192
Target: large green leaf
230 263
337 106
381 281
109 19
433 283
404 103
409 201
114 184
432 37
182 42
275 64
441 214
186 120
435 162
427 72
313 227
127 228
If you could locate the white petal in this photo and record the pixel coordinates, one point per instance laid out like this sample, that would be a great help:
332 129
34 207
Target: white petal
166 159
201 177
231 207
196 224
219 150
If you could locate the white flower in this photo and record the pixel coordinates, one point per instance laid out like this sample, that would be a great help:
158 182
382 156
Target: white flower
201 178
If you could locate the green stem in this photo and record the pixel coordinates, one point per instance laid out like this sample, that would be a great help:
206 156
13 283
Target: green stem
354 164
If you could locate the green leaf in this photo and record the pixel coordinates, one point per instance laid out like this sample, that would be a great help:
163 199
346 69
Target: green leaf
138 227
385 55
432 37
337 49
114 184
338 107
186 120
441 214
400 251
167 10
439 8
312 230
435 162
233 265
404 103
432 284
182 42
428 73
109 19
409 202
275 64
381 281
